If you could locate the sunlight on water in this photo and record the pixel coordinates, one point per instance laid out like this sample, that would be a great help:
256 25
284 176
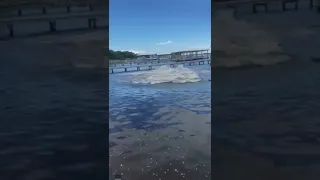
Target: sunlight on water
159 123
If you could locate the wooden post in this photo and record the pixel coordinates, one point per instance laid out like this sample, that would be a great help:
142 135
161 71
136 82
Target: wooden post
111 70
44 10
53 26
19 12
256 5
94 23
89 23
284 4
11 31
125 69
68 9
90 7
254 8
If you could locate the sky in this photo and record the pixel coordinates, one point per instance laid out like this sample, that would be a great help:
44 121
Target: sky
159 26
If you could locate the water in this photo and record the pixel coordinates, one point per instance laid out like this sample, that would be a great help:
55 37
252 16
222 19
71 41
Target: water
265 122
274 122
53 119
159 123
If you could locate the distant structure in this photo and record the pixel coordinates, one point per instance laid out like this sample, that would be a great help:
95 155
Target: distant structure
176 56
190 55
164 57
147 57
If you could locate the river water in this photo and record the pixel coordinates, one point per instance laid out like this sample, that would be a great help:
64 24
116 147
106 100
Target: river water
159 123
265 120
53 120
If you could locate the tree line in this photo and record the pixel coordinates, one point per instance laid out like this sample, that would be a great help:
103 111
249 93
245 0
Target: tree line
120 55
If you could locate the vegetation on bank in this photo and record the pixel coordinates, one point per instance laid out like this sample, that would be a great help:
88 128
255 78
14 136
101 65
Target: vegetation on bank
120 55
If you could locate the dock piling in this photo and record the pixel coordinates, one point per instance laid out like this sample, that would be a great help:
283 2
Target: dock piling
19 12
295 2
90 7
89 23
256 5
92 23
53 26
44 10
11 31
68 9
311 4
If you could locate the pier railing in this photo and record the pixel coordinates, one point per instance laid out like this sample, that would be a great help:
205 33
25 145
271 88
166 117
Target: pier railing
52 19
145 67
115 63
269 5
43 9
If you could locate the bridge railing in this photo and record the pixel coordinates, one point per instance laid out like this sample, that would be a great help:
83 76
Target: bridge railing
92 18
145 67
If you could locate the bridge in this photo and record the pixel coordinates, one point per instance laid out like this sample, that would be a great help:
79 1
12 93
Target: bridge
89 17
145 67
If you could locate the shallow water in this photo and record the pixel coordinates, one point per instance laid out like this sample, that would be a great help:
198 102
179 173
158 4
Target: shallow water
273 127
53 120
159 123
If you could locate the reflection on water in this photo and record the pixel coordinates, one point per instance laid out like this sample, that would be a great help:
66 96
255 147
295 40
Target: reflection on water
162 130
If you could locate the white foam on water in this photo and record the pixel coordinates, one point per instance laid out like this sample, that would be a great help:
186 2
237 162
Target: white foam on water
165 74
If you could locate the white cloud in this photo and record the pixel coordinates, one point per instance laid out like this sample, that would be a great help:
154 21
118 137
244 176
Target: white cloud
164 43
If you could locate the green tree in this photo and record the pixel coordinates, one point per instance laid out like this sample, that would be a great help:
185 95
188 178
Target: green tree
120 55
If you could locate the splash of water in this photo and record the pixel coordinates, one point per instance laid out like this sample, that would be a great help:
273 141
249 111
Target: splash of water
166 74
249 45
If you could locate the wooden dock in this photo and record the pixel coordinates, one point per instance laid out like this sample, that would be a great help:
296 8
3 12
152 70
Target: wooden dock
146 67
265 5
134 62
52 19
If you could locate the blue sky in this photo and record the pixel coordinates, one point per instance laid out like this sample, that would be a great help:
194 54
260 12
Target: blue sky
159 26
